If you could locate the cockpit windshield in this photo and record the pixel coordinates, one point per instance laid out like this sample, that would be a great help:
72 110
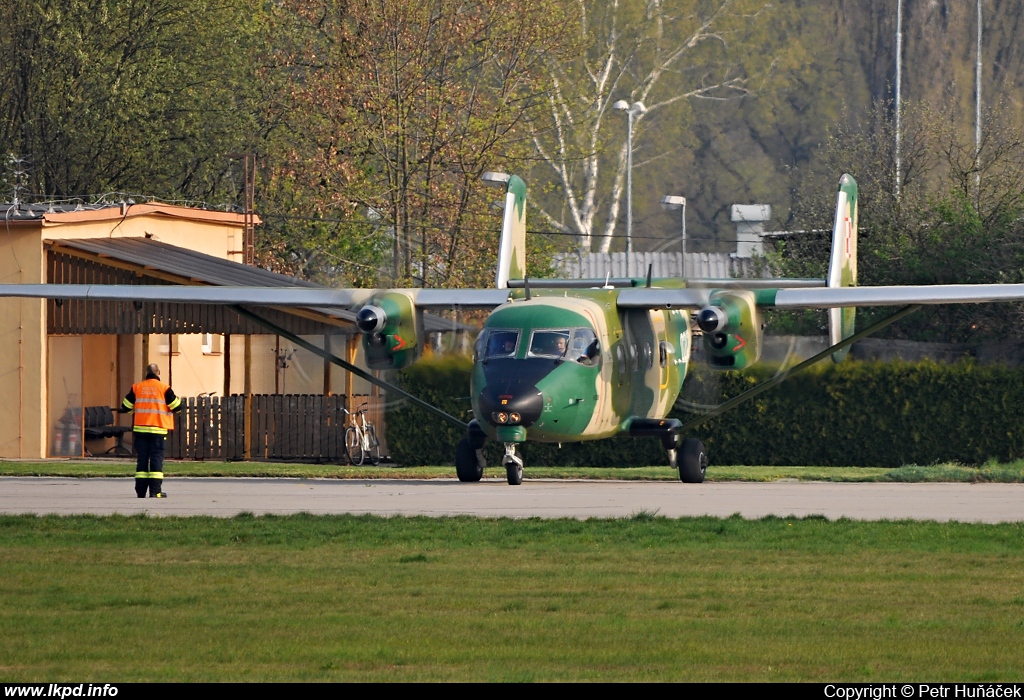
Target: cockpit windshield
549 343
575 344
497 342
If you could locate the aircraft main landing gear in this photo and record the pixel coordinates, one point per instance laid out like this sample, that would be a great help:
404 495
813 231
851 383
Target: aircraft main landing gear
688 456
513 464
469 454
690 459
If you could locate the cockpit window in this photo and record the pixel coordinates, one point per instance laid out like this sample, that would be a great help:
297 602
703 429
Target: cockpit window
585 347
576 344
549 343
501 343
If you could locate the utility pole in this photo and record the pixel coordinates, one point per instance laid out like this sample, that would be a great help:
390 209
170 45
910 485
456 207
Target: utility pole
899 81
248 250
977 116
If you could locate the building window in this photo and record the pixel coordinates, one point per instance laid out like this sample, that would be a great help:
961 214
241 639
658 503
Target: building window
171 349
212 343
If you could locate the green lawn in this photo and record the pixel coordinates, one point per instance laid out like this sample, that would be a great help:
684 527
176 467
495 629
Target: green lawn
993 472
406 599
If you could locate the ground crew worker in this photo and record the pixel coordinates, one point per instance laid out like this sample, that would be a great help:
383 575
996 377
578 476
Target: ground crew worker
152 402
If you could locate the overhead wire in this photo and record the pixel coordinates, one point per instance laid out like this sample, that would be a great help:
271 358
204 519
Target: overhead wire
349 222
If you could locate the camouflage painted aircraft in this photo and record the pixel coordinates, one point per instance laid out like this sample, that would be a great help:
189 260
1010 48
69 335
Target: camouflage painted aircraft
574 360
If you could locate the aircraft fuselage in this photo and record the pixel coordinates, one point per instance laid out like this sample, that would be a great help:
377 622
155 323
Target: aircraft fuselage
567 366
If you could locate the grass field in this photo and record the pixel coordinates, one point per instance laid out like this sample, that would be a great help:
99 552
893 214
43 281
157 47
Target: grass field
365 598
992 472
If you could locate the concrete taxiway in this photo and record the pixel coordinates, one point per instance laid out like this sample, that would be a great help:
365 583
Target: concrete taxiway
989 503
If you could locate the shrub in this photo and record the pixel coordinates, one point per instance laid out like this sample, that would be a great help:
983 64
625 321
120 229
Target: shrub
852 414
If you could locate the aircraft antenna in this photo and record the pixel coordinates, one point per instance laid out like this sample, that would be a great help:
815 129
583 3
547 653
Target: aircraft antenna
650 269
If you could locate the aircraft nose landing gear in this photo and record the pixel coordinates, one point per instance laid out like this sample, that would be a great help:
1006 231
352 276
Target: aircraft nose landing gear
513 464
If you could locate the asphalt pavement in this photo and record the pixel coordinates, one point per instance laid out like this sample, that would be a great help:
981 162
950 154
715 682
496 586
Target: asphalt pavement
226 497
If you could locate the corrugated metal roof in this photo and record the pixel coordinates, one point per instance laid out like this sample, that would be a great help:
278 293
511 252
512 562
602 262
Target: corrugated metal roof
201 268
698 265
182 262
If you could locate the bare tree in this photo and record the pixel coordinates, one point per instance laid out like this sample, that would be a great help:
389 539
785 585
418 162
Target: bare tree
422 98
659 52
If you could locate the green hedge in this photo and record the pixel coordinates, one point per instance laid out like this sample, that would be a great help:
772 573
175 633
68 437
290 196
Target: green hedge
852 414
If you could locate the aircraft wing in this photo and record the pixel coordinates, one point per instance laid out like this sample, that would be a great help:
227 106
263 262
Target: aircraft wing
258 296
654 298
845 297
636 297
829 297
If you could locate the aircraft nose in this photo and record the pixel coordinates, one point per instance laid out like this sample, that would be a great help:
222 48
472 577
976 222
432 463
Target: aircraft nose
503 407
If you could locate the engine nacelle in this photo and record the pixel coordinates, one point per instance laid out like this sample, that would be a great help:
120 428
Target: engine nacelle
732 330
392 327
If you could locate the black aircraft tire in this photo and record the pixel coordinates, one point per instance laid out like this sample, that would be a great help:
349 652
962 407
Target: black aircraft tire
467 466
693 461
514 474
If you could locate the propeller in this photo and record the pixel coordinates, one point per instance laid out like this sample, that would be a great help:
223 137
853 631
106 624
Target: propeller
387 386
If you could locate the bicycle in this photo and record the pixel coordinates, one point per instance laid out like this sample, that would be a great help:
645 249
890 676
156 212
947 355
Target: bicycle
361 438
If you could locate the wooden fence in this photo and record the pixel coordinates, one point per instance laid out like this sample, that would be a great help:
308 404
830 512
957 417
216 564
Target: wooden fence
285 427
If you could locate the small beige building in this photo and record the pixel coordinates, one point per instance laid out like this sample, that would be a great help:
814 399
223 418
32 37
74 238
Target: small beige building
58 358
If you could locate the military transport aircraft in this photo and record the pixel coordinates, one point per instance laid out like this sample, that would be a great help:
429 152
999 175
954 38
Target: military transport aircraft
574 360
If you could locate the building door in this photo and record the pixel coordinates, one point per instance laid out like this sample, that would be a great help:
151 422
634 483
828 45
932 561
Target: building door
64 396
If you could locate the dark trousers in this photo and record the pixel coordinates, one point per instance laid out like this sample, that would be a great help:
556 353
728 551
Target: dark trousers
149 469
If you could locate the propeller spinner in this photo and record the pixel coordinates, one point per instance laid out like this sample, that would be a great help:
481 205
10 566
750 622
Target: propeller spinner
371 319
712 319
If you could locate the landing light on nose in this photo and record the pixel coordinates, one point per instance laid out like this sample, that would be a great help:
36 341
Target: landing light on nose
518 406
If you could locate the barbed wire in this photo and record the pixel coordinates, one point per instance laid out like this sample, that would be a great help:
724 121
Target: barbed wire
121 197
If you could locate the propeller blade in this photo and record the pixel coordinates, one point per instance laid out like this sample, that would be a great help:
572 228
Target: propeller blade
350 367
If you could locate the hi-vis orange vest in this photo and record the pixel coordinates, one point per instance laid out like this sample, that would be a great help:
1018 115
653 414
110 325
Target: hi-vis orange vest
152 414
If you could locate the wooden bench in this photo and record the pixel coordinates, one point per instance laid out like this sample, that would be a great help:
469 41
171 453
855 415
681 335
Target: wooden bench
99 424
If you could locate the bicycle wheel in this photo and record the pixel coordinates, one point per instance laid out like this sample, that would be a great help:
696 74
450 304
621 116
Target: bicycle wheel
372 445
354 446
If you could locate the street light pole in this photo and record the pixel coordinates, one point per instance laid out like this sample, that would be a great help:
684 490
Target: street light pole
673 202
632 112
629 182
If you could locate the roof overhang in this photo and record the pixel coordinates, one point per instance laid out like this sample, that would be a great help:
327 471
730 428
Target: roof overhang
171 264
